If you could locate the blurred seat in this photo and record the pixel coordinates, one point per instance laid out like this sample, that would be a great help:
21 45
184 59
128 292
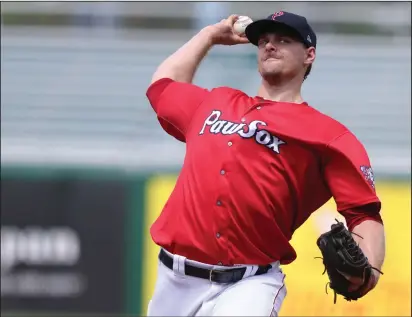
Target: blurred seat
86 90
325 12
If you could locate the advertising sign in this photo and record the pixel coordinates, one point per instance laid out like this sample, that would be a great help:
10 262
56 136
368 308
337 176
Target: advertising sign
62 245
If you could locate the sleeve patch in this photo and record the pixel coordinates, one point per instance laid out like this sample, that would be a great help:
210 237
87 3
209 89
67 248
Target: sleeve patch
368 174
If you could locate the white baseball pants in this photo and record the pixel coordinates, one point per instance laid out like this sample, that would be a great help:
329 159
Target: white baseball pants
177 294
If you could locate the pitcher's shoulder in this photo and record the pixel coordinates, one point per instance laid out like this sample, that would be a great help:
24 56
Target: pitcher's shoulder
229 90
331 127
232 94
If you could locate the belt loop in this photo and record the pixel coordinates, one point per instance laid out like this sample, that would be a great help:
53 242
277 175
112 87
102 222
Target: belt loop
179 264
254 269
250 270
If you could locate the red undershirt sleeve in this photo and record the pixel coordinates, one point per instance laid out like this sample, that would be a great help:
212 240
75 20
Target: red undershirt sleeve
357 215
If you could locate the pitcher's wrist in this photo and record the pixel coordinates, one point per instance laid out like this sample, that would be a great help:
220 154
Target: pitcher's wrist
208 33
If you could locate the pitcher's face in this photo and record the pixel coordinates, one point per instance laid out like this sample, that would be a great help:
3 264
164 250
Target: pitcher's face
282 54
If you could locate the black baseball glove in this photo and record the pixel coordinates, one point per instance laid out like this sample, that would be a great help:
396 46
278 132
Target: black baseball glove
341 255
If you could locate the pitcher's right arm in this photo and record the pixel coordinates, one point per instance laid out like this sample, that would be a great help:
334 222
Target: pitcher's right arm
182 65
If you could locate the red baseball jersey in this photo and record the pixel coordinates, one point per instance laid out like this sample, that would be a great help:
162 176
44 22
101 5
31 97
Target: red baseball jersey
253 172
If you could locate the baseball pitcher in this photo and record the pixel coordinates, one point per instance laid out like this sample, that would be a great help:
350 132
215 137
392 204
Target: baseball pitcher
256 167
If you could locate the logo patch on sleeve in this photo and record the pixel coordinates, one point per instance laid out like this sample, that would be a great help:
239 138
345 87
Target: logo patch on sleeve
368 174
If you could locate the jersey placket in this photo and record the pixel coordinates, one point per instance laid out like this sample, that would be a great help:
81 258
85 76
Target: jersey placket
258 105
222 217
233 168
253 109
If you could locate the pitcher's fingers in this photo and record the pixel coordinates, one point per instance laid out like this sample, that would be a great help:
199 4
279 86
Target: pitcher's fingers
354 287
352 279
232 19
242 39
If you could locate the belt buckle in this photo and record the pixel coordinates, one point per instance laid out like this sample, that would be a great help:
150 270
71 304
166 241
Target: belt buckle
214 271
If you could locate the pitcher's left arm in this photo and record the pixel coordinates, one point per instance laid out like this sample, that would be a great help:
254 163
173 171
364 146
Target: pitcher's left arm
350 178
369 233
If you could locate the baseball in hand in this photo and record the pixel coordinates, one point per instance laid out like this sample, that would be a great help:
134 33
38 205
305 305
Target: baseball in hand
241 24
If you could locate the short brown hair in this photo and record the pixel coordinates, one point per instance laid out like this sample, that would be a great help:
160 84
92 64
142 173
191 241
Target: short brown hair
307 72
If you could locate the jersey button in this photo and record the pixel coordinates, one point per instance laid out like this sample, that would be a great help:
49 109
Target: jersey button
258 107
222 172
219 203
229 143
243 120
220 263
218 235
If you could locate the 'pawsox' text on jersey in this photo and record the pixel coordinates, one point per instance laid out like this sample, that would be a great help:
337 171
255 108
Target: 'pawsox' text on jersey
225 127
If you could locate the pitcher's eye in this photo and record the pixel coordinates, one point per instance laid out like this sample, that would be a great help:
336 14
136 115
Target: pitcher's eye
285 40
262 42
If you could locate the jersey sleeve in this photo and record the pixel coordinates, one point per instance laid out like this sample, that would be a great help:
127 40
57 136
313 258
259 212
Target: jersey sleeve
175 104
357 215
349 175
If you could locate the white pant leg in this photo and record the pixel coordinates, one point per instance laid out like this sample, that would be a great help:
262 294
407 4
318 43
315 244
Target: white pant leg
260 295
178 295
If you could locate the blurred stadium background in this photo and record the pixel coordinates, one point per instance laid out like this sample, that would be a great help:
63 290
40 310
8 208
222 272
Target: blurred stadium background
85 167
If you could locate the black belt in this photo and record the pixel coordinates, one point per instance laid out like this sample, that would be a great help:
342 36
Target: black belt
218 276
